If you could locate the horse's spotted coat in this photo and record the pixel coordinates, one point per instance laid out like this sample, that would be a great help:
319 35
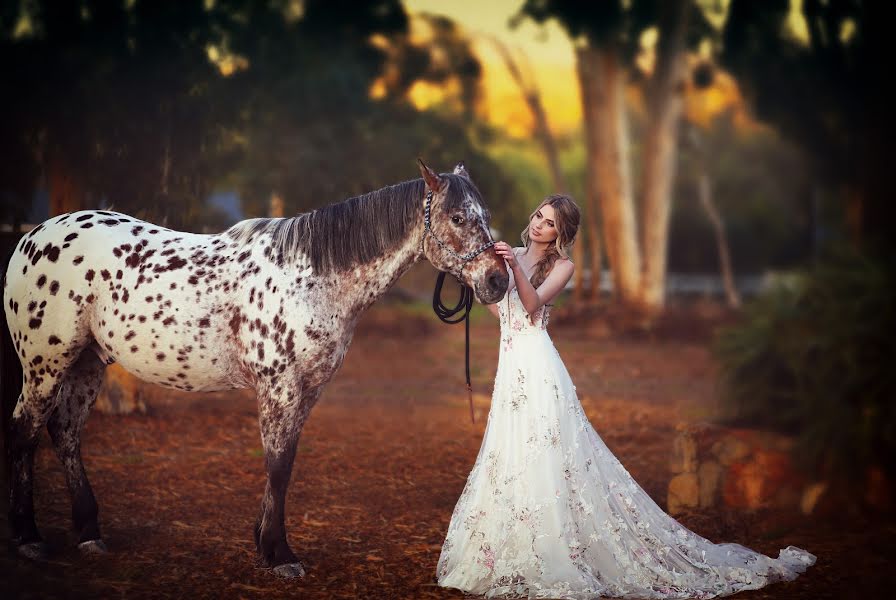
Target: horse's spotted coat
198 313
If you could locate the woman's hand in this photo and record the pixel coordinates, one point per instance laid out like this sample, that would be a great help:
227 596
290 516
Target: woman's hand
505 251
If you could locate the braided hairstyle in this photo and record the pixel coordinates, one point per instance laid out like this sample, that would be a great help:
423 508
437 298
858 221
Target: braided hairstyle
566 221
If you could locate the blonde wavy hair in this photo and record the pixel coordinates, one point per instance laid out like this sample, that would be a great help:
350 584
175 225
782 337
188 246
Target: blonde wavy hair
566 221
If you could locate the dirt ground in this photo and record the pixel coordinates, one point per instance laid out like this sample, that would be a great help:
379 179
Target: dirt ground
380 465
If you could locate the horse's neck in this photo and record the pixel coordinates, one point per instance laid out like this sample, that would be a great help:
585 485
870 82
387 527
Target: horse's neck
371 280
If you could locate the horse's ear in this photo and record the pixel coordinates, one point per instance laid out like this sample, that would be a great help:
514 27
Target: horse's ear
433 181
461 169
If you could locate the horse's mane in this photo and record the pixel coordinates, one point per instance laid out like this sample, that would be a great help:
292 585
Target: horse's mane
343 235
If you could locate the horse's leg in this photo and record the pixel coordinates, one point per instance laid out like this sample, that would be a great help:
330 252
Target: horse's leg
33 409
281 417
76 395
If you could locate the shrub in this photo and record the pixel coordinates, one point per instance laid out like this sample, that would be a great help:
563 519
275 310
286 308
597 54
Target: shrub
815 356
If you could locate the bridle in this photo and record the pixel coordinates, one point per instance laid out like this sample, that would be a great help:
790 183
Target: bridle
465 303
427 229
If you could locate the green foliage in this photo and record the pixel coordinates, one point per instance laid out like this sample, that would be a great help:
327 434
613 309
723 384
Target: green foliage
768 216
127 99
825 92
815 356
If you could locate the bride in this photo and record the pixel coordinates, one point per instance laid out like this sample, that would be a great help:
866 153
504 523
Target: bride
548 511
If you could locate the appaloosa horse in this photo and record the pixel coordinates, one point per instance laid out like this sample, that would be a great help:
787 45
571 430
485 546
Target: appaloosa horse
269 304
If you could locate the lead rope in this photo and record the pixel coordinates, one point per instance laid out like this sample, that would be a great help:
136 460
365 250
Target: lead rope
445 314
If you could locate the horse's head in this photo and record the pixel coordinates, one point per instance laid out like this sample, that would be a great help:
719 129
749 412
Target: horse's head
458 239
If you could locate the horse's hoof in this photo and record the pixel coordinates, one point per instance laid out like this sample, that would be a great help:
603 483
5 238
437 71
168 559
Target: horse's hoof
93 547
290 570
34 551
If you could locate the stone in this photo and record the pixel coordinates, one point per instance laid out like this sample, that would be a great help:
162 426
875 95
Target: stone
683 493
759 481
811 495
730 449
743 486
684 452
709 476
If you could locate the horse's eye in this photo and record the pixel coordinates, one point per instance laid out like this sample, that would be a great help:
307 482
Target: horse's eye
457 220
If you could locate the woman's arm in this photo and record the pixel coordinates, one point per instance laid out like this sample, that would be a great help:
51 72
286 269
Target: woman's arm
532 298
550 288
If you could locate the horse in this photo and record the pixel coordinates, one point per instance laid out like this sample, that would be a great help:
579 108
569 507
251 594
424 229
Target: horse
269 304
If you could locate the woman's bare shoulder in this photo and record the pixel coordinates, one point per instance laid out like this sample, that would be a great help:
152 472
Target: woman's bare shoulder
563 265
565 261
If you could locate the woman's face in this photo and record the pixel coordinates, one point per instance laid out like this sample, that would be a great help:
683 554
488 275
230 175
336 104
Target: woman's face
542 227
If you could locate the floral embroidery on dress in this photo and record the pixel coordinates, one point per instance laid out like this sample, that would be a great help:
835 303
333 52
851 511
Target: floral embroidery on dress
518 392
549 512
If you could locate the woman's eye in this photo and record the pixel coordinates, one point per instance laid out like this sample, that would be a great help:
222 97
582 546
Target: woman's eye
457 220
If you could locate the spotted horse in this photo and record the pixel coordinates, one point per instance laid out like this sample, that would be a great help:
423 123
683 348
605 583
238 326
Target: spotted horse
269 304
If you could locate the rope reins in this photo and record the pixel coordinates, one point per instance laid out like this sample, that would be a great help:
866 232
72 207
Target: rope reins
465 303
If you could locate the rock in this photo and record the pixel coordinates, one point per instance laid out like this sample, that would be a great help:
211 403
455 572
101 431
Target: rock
743 486
811 495
709 476
730 449
684 452
121 393
758 481
683 493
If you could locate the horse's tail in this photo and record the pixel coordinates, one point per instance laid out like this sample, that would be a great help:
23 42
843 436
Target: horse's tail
10 367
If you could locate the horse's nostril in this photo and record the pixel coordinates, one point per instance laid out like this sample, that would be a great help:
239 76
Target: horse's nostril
497 282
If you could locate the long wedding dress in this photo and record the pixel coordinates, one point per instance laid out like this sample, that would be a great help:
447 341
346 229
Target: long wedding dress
549 512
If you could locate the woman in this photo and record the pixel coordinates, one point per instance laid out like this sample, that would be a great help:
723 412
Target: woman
548 511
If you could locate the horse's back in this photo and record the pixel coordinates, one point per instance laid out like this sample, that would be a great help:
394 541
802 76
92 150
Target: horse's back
142 292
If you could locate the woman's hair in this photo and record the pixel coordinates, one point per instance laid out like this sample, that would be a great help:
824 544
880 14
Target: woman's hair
566 221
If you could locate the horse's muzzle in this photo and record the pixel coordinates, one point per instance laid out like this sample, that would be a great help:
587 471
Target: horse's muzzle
494 287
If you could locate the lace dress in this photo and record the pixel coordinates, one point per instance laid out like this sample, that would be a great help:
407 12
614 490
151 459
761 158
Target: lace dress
549 512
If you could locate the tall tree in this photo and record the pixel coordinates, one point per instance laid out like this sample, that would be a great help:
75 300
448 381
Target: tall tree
665 100
607 35
827 91
113 100
532 96
609 184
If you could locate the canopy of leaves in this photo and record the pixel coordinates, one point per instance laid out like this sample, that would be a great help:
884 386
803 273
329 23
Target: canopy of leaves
154 105
827 92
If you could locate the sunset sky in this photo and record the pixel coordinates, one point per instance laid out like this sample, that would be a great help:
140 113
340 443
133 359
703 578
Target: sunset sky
547 48
550 54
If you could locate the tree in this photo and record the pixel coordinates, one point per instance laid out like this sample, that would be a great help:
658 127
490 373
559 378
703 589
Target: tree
112 100
607 36
151 106
330 88
826 91
532 96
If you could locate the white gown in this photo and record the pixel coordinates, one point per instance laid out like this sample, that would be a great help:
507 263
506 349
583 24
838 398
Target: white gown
549 512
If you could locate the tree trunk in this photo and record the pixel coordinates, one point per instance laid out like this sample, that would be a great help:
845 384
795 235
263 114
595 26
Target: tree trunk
532 96
596 257
602 80
665 105
706 201
591 180
66 185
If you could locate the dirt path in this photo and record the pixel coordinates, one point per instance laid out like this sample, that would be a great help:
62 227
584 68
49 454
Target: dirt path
380 465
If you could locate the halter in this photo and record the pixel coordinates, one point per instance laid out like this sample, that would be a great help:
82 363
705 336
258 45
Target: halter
427 228
465 302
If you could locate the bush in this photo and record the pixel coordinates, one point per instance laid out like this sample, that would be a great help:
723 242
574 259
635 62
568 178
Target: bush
815 357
